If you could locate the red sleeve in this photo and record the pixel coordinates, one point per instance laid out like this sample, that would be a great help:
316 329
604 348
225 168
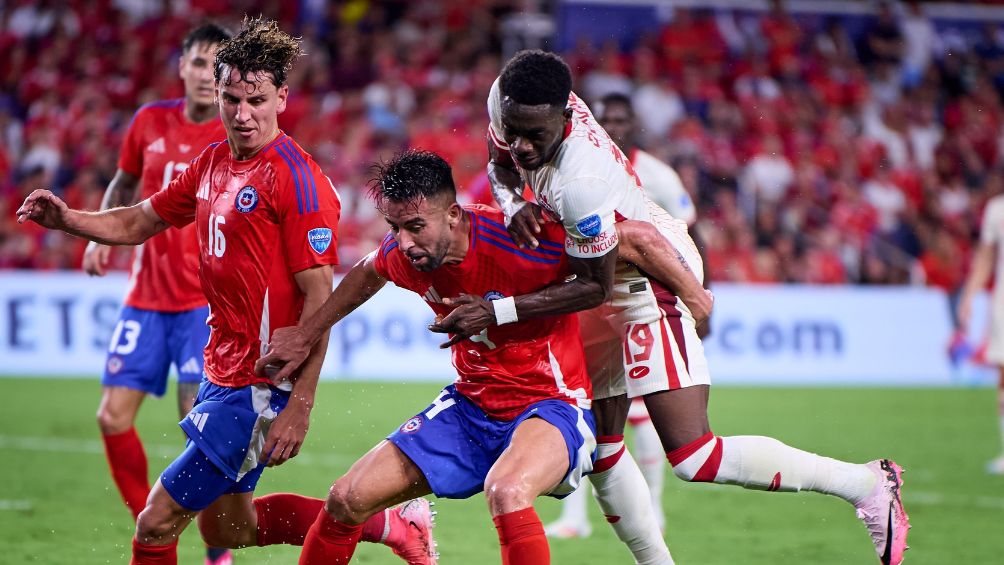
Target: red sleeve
131 154
382 260
308 209
176 203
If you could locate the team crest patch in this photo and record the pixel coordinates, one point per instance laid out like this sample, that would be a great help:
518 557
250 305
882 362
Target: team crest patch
114 365
493 295
247 199
319 239
412 425
589 226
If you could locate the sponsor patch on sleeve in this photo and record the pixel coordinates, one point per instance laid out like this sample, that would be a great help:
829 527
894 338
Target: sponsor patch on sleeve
319 239
590 226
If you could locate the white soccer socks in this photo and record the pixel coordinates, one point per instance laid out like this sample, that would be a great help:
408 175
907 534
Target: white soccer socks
652 461
764 463
620 489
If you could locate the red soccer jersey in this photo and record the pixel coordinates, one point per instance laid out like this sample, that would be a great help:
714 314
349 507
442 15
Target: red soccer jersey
259 222
506 368
158 146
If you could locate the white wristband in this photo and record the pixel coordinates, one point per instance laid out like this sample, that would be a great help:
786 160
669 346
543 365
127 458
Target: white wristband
505 310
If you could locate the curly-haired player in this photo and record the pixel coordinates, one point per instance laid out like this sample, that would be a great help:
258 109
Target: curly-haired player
267 220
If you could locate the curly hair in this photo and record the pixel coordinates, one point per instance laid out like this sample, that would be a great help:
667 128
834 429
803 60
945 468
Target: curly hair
411 175
536 77
259 47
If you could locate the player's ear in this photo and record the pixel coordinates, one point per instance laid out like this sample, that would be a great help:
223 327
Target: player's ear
283 94
454 214
567 114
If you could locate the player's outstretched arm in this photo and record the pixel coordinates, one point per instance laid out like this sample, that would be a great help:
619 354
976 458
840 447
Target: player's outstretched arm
121 191
287 432
290 347
119 226
522 218
642 244
590 286
979 274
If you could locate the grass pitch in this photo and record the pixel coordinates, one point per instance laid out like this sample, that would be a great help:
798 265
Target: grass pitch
59 506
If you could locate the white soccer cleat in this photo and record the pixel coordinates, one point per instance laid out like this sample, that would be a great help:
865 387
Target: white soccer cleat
883 512
568 530
996 466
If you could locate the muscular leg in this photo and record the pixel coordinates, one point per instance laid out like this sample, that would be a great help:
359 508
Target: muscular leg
186 397
382 478
754 462
158 528
123 448
535 462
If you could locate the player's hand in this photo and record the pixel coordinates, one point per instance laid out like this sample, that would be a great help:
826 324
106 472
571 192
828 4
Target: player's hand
471 315
286 434
287 350
700 307
96 259
44 208
525 224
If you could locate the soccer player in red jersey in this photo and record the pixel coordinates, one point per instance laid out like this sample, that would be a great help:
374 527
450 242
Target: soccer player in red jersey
266 219
163 320
516 421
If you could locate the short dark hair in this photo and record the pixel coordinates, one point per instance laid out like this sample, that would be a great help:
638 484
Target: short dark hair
209 33
536 77
617 98
411 175
260 46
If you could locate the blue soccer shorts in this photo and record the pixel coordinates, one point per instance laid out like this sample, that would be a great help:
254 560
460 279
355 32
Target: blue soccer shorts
454 443
145 343
226 434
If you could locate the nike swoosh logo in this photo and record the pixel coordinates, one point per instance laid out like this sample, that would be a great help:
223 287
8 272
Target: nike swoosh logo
887 554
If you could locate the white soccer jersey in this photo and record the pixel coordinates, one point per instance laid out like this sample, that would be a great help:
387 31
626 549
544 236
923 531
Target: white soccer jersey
663 186
992 233
590 185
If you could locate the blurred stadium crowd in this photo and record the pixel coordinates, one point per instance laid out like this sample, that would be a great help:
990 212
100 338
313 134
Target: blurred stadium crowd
817 153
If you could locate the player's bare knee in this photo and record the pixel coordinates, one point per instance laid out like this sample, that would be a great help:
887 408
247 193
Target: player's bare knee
508 494
112 422
155 525
345 505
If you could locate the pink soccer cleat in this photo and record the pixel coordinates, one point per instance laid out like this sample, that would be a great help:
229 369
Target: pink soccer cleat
226 557
883 512
409 527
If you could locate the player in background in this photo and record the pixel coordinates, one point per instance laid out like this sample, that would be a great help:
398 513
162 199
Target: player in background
543 135
515 423
989 259
663 186
266 219
163 320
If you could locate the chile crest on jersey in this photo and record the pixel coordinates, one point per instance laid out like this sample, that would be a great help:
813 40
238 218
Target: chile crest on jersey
247 199
493 295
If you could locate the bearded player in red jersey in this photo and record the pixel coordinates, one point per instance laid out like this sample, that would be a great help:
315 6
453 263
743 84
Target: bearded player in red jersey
266 219
515 422
163 320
